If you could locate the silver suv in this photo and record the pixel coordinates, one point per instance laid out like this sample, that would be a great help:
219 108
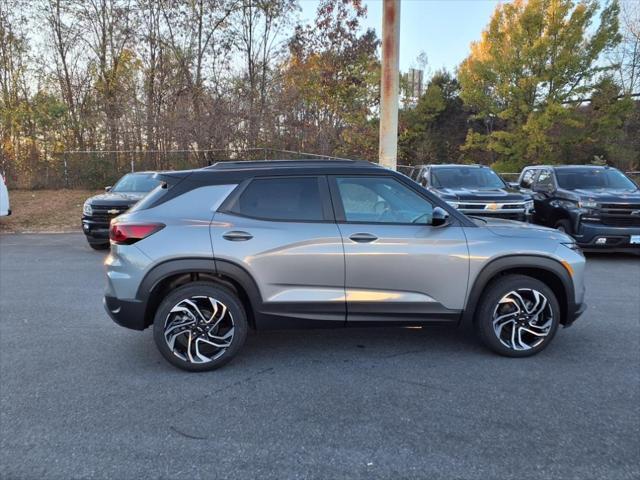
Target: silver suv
211 253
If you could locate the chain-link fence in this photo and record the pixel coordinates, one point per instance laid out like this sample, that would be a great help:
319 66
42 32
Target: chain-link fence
96 169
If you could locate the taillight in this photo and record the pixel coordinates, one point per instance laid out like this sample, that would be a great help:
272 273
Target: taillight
128 233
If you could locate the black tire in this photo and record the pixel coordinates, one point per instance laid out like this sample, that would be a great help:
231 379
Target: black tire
201 289
99 246
564 225
490 303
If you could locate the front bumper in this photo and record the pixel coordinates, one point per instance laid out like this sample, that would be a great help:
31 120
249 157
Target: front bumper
595 236
96 231
126 313
574 312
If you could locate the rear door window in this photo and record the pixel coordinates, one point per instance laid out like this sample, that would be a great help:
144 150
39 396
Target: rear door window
284 199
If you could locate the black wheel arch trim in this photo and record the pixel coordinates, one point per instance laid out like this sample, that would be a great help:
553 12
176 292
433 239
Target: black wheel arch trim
169 268
215 267
508 263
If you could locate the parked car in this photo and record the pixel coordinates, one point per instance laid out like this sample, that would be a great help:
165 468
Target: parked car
5 207
599 206
213 252
475 190
98 211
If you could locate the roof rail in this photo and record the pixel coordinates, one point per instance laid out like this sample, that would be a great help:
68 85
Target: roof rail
234 164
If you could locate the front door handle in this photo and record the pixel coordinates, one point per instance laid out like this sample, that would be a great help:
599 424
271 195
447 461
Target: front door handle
363 237
237 236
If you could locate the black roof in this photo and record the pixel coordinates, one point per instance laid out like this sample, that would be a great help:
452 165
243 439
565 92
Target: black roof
456 165
230 171
311 163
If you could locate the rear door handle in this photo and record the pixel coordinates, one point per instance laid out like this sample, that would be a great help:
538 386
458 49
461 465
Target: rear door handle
363 237
237 236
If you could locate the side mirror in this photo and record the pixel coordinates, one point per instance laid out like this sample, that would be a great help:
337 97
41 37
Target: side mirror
513 184
439 217
107 189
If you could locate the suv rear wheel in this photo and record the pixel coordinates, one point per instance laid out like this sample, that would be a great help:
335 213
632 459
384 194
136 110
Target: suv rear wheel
200 326
518 316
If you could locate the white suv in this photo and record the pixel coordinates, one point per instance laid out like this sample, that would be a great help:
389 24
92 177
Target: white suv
4 199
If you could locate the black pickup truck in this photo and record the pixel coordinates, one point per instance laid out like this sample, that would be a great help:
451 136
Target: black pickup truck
98 211
475 190
598 205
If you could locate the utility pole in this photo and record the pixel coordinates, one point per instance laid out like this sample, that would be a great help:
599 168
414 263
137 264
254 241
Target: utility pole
390 83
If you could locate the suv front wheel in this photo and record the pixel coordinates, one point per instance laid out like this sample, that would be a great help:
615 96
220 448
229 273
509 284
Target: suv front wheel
518 316
200 326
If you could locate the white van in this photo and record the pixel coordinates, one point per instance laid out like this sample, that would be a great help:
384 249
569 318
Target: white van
4 199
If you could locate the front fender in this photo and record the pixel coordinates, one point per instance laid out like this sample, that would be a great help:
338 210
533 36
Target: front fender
525 264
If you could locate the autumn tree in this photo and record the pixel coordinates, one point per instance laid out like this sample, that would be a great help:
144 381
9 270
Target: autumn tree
260 37
626 57
330 84
537 60
198 34
434 130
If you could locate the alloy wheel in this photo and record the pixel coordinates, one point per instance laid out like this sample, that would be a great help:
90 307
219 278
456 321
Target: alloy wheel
522 319
199 329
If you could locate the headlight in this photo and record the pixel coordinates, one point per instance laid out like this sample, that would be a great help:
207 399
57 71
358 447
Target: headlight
588 204
528 205
86 209
453 204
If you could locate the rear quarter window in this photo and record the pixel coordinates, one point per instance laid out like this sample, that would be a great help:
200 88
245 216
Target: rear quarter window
152 198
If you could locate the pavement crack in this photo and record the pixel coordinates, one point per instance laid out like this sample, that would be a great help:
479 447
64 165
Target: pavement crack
237 383
414 383
400 354
187 435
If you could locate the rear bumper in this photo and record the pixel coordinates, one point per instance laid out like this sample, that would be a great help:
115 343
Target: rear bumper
594 236
126 313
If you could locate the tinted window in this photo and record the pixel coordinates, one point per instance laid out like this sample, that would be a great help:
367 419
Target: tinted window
136 182
545 180
592 178
527 178
465 177
382 200
282 199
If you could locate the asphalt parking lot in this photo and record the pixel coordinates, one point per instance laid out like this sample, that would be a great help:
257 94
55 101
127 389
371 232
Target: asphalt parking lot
84 398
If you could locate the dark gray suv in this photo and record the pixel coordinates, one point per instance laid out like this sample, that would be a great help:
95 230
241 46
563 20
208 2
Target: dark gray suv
211 253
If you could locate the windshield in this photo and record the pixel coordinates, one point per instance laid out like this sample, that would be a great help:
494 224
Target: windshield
593 179
466 177
136 182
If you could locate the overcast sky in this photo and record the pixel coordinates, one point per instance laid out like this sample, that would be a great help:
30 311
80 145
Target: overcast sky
443 29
